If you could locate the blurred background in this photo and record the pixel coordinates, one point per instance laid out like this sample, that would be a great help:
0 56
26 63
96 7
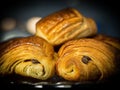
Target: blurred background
18 17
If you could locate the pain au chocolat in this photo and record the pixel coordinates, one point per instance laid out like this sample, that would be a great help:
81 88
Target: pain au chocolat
89 59
65 25
27 56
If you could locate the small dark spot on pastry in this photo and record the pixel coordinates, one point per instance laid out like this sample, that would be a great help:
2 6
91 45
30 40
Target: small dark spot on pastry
85 59
34 61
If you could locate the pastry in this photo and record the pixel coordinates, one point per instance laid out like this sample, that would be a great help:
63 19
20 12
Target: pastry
114 41
27 56
65 25
87 59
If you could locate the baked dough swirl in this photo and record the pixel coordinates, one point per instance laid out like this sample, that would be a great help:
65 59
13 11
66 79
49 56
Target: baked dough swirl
87 59
113 41
27 56
64 25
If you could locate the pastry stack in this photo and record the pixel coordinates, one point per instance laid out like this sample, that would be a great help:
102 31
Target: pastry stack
66 44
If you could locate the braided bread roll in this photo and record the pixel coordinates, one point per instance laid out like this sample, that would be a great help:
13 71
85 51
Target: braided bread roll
64 25
87 59
27 56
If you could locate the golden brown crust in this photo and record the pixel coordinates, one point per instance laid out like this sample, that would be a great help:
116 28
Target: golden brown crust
28 56
114 41
31 40
86 60
65 25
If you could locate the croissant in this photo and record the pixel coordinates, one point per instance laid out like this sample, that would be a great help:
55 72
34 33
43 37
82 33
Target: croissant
27 56
87 59
64 25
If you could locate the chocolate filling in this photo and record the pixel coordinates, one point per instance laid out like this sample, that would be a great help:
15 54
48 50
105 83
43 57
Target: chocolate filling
85 59
34 61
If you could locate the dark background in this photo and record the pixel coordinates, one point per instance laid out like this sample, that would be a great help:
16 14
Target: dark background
105 13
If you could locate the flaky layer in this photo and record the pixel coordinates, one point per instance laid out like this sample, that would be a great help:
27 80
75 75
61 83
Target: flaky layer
29 56
86 60
64 25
